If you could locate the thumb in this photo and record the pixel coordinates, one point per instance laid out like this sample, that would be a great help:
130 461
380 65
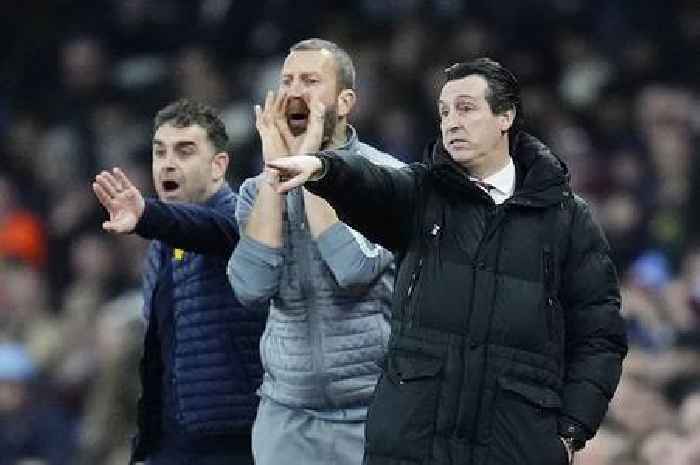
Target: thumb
290 184
109 226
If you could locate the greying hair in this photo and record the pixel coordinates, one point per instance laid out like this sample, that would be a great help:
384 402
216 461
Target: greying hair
345 70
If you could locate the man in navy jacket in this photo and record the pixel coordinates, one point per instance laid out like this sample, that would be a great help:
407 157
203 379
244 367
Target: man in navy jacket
201 363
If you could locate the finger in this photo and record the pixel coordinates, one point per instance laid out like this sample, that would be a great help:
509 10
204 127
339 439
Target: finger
280 104
105 183
122 179
109 177
316 107
285 132
102 195
272 176
290 184
281 118
283 164
314 132
258 115
269 99
114 227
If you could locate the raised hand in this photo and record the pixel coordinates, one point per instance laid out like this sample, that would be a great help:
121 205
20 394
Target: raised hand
121 198
273 144
310 140
314 131
284 174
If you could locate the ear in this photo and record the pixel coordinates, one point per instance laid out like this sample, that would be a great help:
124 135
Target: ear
219 163
506 119
346 101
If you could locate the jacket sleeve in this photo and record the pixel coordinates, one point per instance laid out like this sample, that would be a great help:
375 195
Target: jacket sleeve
596 342
254 268
354 261
378 201
192 227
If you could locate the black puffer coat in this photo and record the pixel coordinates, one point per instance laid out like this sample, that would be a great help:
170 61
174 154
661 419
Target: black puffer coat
506 325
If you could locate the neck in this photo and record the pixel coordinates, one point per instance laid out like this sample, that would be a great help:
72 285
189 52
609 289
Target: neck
213 189
339 136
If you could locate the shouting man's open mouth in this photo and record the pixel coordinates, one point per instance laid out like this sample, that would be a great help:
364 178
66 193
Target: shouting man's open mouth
297 115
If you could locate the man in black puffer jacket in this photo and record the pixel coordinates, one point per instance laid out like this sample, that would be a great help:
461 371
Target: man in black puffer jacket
507 340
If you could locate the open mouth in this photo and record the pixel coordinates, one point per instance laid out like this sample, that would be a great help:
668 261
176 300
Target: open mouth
170 186
457 142
297 116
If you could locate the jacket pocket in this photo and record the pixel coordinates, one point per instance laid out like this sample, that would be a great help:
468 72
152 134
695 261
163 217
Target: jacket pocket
401 419
540 396
524 420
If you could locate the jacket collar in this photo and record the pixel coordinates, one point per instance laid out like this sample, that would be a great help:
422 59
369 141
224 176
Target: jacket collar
542 178
223 192
351 140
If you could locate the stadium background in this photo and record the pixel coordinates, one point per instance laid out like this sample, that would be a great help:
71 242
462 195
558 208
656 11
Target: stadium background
612 85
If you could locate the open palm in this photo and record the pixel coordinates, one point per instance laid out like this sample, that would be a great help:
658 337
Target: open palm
121 199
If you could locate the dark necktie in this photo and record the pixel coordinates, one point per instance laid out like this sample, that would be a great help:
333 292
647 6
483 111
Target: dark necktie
485 186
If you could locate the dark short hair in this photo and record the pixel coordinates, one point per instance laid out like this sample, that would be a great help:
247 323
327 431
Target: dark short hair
503 89
185 112
344 67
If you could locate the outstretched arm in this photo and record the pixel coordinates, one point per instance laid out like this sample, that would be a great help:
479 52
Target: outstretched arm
192 227
378 201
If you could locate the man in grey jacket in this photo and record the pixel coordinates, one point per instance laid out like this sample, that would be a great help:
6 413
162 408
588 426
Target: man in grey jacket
329 288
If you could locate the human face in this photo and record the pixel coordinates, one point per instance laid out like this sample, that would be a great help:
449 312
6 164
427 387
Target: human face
308 74
473 135
186 167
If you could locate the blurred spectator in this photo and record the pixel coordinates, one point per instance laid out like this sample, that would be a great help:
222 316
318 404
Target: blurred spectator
21 232
30 427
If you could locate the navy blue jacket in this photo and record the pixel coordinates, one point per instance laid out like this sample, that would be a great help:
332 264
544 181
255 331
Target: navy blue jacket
215 340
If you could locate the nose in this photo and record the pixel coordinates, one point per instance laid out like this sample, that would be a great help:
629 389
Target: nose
167 162
295 88
450 123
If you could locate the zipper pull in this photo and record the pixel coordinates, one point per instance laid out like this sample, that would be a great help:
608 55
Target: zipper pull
436 230
414 278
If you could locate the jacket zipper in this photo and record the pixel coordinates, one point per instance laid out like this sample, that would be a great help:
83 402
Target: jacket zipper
307 291
548 285
413 303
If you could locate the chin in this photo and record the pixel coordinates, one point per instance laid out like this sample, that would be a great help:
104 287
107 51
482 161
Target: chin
170 197
462 156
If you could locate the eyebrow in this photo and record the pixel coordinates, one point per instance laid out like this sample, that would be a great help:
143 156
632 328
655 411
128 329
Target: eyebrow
303 74
179 144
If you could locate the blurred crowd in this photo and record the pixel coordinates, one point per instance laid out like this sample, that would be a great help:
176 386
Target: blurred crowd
611 85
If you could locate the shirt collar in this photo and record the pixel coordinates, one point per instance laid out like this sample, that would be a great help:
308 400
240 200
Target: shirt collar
503 180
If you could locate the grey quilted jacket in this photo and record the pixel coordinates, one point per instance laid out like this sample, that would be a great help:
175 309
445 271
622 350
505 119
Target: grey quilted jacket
329 300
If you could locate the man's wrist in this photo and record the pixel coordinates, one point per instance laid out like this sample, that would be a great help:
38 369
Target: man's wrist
321 172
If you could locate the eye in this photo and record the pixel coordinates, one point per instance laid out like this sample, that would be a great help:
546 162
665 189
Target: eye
158 153
184 152
443 112
312 80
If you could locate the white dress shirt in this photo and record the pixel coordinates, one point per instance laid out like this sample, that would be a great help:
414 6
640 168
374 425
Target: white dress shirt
502 183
